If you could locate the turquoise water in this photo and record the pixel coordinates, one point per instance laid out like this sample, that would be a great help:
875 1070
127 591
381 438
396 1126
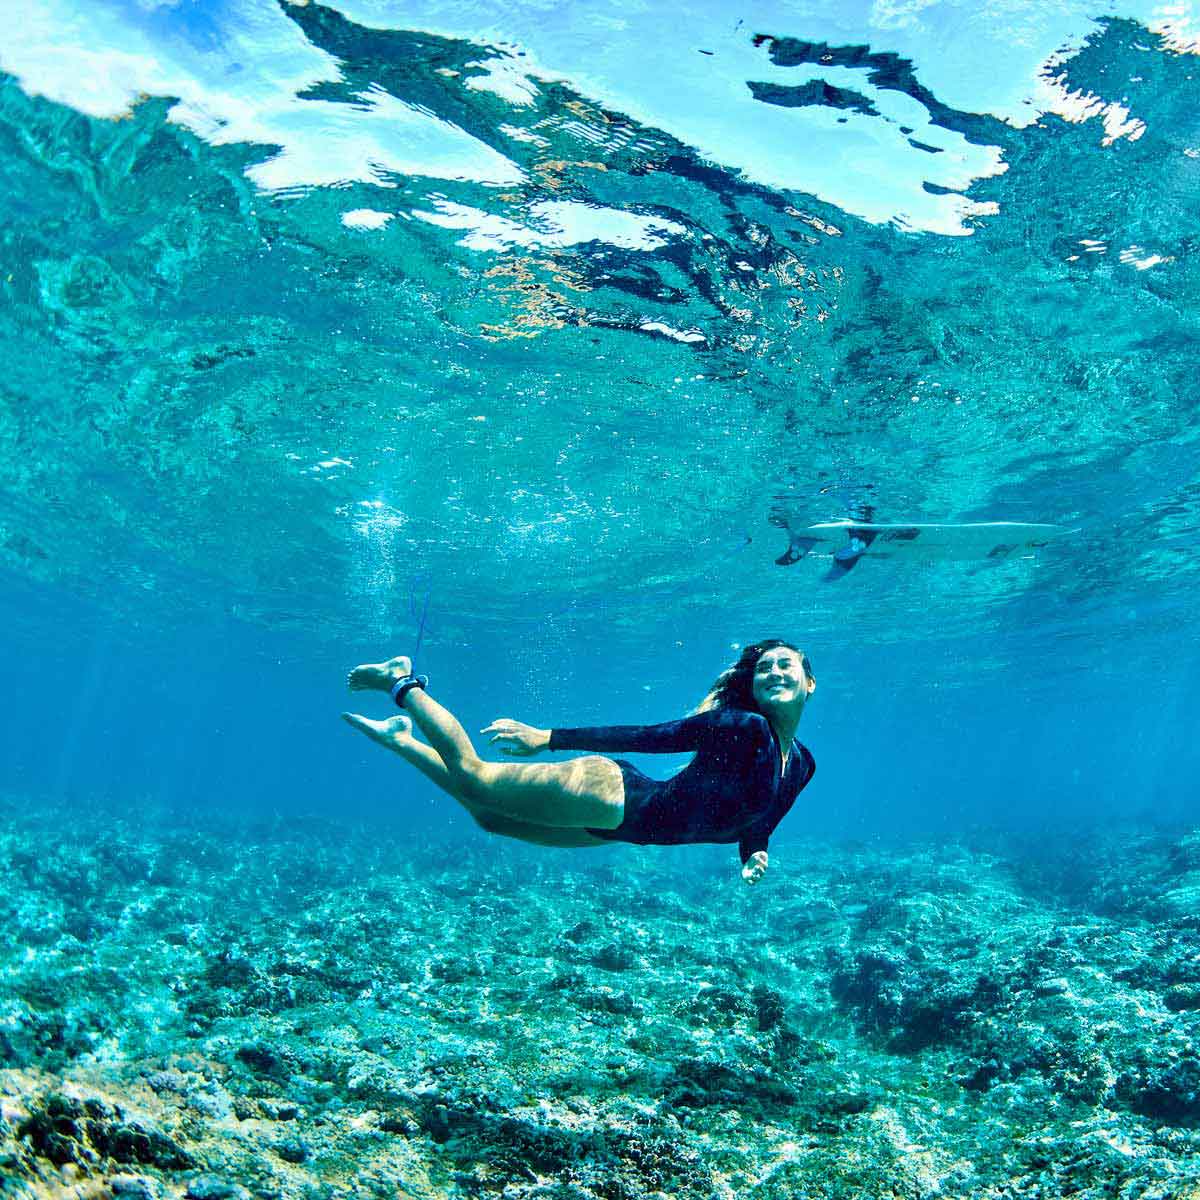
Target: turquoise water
308 307
559 317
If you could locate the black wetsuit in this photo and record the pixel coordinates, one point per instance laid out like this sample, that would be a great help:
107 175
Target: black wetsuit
732 791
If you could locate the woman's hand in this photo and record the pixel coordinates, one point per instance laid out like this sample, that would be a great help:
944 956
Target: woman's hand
755 868
516 739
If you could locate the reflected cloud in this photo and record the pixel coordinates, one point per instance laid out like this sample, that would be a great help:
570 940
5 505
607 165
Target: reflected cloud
241 83
553 223
504 77
327 143
366 218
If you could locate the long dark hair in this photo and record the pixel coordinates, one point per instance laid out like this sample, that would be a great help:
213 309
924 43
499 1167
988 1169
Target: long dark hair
734 687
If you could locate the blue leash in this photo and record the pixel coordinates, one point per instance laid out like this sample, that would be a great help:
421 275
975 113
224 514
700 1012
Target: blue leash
420 617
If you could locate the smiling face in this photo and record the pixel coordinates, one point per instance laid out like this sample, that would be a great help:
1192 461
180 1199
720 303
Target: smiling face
780 682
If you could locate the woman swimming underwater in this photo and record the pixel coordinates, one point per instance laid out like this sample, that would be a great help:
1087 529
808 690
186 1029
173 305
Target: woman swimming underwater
747 771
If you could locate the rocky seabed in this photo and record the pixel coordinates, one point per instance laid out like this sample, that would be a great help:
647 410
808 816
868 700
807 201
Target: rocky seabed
211 1008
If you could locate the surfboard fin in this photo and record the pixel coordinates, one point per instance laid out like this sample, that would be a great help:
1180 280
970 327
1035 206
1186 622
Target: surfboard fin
849 554
797 549
847 557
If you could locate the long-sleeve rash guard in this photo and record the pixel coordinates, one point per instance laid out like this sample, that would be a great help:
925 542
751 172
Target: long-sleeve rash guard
734 790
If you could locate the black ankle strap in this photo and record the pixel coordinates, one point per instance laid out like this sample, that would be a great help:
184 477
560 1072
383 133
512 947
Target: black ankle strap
403 686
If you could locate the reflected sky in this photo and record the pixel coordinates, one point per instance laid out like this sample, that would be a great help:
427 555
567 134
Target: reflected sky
856 134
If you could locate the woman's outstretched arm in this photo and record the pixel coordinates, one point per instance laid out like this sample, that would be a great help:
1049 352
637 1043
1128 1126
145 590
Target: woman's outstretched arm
671 737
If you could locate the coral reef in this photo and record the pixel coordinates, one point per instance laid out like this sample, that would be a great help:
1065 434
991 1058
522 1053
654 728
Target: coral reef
208 1009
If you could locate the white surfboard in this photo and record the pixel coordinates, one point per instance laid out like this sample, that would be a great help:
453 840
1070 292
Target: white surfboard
921 540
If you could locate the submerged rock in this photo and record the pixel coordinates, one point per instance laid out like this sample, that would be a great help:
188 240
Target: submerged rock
1167 1091
1182 997
213 1187
65 1130
133 1187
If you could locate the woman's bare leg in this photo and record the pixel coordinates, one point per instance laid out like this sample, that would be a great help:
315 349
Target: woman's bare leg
584 793
395 734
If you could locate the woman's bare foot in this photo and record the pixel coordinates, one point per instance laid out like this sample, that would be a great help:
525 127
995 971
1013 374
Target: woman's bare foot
389 733
379 677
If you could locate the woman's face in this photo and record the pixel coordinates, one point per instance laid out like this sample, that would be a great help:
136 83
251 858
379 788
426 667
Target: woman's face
780 681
